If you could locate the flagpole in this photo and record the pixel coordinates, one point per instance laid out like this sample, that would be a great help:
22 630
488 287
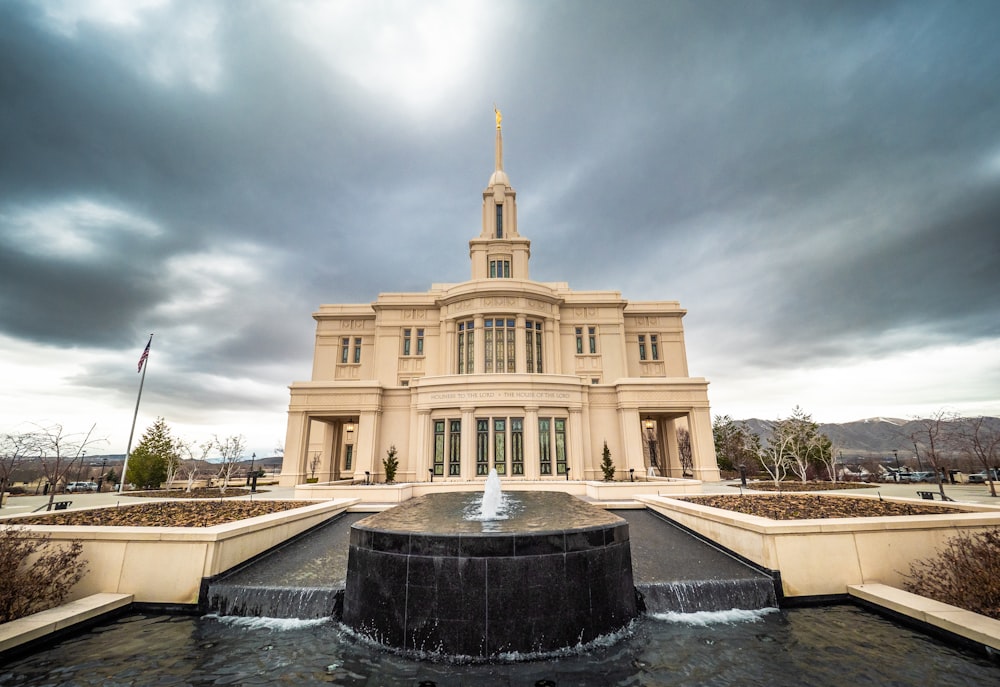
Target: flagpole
144 361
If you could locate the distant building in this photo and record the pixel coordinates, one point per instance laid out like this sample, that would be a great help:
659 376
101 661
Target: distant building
529 377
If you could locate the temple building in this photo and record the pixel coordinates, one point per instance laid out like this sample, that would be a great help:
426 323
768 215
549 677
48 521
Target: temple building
529 377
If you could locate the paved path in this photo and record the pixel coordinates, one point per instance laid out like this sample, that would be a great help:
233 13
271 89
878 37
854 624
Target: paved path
966 493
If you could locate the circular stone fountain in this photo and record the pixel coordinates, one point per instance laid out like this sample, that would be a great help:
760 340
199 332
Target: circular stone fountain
424 577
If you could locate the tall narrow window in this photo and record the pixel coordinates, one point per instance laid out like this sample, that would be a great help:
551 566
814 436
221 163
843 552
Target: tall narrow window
642 347
511 345
517 446
499 221
579 340
465 346
345 350
420 342
544 446
357 350
654 349
406 341
488 341
455 448
500 445
592 338
348 456
560 430
538 347
482 446
439 447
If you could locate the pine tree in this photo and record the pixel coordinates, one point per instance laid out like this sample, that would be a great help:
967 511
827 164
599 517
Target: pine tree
607 467
150 460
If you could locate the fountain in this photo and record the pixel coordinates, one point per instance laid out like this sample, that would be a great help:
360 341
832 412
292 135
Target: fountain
423 577
492 496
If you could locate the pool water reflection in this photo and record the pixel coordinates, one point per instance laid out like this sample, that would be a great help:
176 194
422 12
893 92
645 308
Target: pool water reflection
835 645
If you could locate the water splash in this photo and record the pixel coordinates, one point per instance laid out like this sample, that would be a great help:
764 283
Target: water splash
492 496
705 618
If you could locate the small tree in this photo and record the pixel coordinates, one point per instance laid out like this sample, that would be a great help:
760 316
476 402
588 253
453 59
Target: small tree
607 467
774 457
35 575
391 464
58 452
977 438
14 450
231 450
155 459
805 445
736 446
314 466
932 432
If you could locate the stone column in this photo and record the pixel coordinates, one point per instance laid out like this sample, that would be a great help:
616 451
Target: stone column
479 344
632 439
293 466
420 445
703 445
366 446
672 457
520 343
575 443
468 443
531 470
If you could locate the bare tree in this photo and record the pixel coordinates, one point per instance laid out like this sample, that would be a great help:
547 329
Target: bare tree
188 467
805 444
932 433
231 450
774 457
684 449
15 448
829 460
59 452
980 440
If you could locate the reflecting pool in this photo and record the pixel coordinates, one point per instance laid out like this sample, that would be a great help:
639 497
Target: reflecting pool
835 645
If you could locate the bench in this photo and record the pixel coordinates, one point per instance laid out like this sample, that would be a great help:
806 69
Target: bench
929 496
56 505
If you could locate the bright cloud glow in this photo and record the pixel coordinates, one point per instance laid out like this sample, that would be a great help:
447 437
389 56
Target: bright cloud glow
76 228
415 53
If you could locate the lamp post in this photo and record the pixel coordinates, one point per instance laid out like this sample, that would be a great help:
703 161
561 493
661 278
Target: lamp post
253 474
917 456
100 477
431 472
567 473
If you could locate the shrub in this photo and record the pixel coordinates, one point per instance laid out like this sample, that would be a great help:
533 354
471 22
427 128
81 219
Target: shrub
966 573
607 467
34 574
391 464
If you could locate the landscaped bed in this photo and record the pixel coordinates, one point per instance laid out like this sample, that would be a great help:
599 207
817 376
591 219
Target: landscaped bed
165 514
769 485
813 506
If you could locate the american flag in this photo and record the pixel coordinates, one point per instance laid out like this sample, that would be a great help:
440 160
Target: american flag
145 353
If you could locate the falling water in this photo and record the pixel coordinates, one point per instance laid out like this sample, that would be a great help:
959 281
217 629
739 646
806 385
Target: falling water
492 496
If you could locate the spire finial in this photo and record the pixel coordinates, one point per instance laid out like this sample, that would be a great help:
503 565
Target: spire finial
499 165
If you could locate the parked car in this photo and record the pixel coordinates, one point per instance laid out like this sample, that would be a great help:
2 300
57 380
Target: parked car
81 486
981 477
923 476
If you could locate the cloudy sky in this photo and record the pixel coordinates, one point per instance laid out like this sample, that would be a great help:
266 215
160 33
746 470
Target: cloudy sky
818 183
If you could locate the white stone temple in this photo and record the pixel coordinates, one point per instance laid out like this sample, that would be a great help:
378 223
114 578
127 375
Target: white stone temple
531 378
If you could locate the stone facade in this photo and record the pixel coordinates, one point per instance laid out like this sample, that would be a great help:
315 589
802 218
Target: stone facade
499 371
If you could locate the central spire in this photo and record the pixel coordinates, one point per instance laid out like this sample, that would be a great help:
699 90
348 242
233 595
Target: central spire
499 252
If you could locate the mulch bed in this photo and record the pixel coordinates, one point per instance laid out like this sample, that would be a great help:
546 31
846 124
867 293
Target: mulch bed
804 486
812 506
197 493
166 514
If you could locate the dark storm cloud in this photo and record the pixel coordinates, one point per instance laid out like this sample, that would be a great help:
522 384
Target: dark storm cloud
812 175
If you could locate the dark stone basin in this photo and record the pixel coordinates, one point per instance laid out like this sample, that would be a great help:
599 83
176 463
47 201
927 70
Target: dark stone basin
556 573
